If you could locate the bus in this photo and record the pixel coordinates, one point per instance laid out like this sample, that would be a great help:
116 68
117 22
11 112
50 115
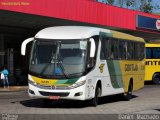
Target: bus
152 68
84 63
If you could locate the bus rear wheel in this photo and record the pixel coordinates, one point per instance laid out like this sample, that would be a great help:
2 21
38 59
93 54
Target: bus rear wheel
94 101
128 95
156 79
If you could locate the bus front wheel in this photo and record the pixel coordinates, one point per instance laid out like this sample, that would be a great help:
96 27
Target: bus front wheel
94 101
156 79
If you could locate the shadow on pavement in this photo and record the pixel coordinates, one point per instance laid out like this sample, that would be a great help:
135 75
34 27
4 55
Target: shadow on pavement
38 103
148 83
157 109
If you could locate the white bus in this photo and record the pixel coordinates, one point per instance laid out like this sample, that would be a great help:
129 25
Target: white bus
84 63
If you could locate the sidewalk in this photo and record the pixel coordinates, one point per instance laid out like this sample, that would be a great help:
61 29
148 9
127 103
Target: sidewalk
14 88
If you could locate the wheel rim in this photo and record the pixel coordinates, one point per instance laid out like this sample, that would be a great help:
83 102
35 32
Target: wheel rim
156 80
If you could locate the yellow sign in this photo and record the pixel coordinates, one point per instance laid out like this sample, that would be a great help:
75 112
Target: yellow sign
101 67
44 81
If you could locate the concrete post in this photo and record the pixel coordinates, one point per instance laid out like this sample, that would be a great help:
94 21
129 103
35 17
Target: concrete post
2 51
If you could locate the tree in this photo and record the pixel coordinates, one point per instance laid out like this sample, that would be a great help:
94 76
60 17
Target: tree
126 3
130 3
146 6
141 5
121 3
111 2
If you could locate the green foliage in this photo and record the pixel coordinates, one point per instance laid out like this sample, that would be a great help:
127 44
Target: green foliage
130 3
141 5
121 3
148 8
145 6
111 2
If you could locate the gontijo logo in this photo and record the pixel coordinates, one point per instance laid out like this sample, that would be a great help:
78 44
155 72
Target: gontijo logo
158 24
101 67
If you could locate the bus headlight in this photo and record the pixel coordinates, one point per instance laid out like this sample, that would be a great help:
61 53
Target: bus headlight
32 82
78 84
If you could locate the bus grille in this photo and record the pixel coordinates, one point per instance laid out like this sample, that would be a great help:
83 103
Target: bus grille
61 94
43 87
50 87
53 87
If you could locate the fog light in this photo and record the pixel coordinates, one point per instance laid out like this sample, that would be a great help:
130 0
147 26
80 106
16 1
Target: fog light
78 94
31 91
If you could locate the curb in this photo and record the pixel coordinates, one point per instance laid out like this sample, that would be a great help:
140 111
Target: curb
14 89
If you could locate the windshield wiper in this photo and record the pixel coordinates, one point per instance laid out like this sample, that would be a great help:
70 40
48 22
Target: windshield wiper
59 64
46 66
56 59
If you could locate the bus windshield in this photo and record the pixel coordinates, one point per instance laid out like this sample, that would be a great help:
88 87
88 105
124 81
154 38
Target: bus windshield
58 58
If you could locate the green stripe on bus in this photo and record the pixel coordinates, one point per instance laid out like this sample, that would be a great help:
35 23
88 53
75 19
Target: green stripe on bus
61 81
71 81
115 73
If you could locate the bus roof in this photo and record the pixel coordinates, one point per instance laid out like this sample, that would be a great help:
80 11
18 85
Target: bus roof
68 32
152 45
124 36
81 32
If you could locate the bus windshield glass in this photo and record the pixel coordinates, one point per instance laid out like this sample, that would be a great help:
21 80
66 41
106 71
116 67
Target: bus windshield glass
58 58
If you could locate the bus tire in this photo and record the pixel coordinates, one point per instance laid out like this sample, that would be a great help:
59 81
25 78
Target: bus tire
94 101
128 95
156 79
47 102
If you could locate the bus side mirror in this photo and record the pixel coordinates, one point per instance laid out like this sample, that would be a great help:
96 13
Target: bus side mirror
24 44
93 48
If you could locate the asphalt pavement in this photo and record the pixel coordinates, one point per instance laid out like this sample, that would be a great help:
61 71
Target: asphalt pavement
17 104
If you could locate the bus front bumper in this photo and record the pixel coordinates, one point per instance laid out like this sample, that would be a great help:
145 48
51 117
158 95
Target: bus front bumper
73 94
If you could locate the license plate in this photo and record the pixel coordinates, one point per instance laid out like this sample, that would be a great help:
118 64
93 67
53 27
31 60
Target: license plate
54 97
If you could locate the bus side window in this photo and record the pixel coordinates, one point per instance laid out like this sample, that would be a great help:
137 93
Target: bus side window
108 48
156 52
136 51
142 52
122 49
114 48
139 51
130 48
104 48
148 53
